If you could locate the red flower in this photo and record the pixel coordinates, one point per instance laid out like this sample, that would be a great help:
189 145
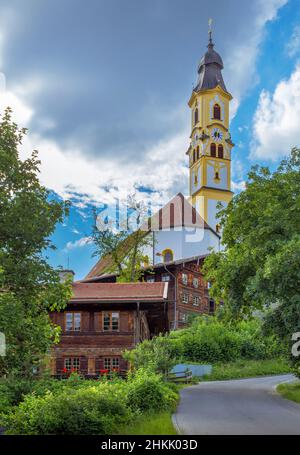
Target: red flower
65 370
104 371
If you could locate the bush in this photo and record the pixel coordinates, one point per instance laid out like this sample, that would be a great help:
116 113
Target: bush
13 390
211 340
98 409
207 340
77 406
147 392
158 354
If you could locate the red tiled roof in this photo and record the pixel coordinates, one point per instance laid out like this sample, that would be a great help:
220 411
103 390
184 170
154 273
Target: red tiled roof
119 292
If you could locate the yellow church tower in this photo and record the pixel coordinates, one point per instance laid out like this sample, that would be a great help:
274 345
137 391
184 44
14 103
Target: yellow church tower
210 147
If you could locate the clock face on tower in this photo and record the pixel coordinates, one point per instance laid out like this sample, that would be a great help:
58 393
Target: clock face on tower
217 135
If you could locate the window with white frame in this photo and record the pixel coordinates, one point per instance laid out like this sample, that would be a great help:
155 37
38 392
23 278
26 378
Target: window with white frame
185 298
182 316
73 322
184 278
72 363
195 282
111 363
196 300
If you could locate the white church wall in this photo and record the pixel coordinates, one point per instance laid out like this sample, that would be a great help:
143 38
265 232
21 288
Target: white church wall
185 243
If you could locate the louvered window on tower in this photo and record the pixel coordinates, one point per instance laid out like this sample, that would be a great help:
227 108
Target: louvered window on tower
196 116
213 150
217 112
220 151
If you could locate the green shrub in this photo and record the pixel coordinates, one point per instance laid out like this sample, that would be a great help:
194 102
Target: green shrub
211 340
146 392
98 409
158 354
77 406
208 340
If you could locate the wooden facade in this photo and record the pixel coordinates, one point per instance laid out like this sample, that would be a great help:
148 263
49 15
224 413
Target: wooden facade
187 287
188 292
99 324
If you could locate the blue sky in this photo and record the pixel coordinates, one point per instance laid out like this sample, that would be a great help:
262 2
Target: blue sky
103 88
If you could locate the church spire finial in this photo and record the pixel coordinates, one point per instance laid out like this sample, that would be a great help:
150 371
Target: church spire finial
210 43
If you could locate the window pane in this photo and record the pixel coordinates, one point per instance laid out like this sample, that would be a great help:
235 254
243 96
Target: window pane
196 282
150 280
165 277
77 321
168 256
106 321
68 364
76 363
196 301
115 321
69 321
185 298
115 362
107 364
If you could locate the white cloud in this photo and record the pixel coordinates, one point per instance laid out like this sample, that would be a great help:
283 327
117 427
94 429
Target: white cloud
276 121
78 243
293 46
71 175
162 167
238 186
242 57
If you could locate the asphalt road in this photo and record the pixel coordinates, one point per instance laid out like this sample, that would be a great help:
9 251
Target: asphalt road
240 407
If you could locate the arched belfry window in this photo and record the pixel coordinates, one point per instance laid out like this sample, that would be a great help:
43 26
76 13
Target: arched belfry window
196 117
198 153
213 150
194 156
168 255
217 112
220 151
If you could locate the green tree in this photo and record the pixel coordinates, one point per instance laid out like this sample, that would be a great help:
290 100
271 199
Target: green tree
260 267
122 250
29 287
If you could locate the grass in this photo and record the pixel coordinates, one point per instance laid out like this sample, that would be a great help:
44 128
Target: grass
291 391
247 369
151 424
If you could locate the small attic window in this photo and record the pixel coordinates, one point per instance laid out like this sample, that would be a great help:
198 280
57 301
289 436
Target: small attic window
168 255
217 112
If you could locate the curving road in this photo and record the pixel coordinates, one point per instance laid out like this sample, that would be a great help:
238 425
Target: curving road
240 407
